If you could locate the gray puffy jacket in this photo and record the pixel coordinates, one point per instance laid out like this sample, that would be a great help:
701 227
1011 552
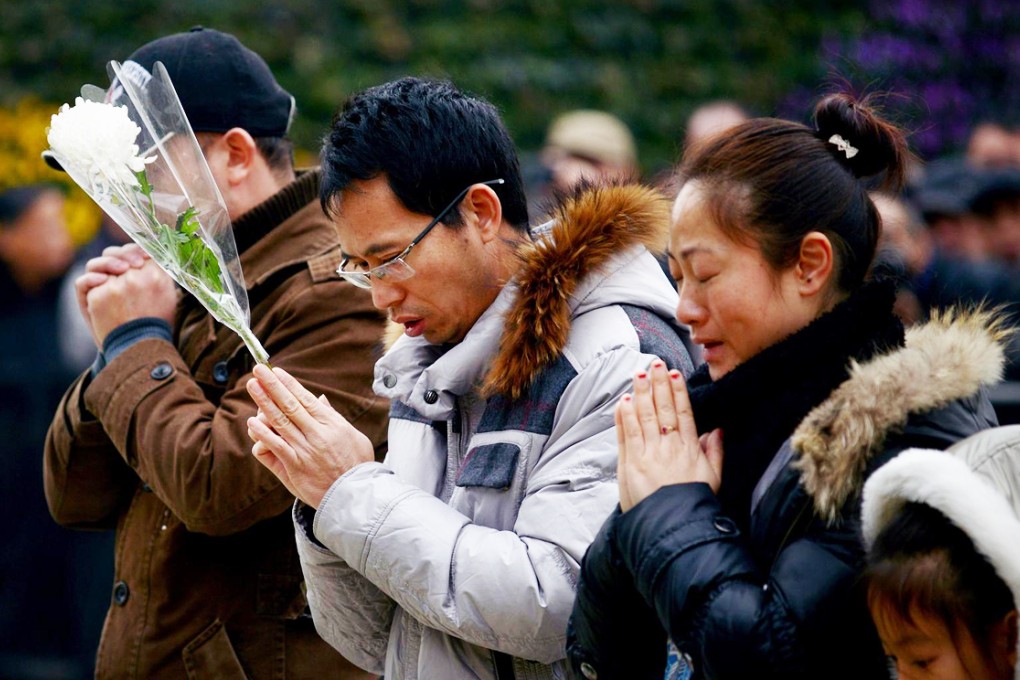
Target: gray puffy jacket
458 556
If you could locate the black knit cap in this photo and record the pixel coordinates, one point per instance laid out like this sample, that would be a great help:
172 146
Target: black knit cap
221 83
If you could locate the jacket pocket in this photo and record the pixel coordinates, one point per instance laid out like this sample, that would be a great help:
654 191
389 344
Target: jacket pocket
210 655
490 465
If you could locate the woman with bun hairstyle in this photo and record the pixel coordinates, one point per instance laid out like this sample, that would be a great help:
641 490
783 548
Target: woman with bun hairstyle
736 552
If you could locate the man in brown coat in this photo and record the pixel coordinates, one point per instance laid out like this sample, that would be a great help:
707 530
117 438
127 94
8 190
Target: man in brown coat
153 440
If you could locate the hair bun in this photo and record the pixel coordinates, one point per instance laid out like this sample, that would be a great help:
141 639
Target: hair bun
861 140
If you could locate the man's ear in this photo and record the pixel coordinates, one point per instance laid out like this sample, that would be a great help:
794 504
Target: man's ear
482 207
815 263
242 154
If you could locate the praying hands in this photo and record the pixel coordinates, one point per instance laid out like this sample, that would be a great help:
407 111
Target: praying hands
303 440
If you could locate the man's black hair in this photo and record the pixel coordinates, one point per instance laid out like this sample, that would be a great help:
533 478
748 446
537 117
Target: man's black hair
430 140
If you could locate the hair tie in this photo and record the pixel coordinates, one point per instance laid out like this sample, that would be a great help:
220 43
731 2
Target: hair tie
843 145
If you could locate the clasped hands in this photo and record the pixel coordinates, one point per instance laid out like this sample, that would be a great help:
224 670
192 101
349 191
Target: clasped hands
300 438
658 439
121 285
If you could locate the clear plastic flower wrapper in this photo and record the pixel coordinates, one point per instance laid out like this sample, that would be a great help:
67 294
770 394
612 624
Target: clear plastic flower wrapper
133 151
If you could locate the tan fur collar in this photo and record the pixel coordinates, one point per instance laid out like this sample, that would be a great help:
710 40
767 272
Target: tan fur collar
948 358
590 227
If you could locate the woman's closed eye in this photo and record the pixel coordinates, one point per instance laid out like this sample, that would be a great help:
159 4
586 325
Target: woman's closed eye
704 276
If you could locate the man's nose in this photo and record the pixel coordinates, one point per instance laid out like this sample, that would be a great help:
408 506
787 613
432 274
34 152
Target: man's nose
386 294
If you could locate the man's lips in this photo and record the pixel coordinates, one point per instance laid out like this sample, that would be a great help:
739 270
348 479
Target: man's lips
413 325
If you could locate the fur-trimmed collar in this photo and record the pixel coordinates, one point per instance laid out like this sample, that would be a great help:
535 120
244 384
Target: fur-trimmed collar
589 228
946 359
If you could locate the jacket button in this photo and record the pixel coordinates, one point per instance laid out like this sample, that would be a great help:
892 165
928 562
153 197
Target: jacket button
146 488
220 372
588 671
431 397
120 593
389 380
725 525
161 371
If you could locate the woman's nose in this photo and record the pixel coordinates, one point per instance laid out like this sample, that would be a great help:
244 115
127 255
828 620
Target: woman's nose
688 310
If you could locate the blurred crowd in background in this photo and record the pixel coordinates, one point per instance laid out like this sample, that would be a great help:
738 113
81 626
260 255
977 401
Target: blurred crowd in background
952 236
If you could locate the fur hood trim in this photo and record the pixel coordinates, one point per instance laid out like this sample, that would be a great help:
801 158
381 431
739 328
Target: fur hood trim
588 229
946 483
945 359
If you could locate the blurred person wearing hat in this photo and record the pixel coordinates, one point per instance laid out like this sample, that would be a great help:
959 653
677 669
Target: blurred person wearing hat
53 583
944 196
928 281
997 204
151 441
909 252
588 145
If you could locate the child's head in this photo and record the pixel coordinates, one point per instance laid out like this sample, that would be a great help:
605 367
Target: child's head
940 608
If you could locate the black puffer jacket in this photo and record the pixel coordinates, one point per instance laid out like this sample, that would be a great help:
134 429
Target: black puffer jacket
761 581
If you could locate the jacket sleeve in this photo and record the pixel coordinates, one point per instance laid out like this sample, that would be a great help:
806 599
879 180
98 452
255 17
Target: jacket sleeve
196 454
350 613
507 590
85 479
690 562
612 628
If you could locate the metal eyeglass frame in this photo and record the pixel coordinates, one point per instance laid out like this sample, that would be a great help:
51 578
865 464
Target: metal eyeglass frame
395 268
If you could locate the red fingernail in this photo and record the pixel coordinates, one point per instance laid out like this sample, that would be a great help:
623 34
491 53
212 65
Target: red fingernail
657 364
626 397
675 375
642 375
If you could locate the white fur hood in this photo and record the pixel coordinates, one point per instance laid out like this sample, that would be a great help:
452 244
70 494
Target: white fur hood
946 483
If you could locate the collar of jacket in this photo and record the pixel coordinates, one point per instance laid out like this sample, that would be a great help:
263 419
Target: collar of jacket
948 358
760 402
598 232
265 248
589 228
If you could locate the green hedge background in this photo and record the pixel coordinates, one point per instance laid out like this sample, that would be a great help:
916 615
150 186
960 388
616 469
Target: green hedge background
648 61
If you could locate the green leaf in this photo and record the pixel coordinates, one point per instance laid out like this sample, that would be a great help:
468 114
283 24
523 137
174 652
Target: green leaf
187 221
143 184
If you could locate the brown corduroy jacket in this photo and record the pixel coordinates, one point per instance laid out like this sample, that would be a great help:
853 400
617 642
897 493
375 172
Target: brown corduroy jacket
207 582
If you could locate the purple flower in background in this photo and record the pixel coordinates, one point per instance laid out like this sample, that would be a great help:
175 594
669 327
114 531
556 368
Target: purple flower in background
950 64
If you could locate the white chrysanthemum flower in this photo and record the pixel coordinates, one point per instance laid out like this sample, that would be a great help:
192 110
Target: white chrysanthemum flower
99 141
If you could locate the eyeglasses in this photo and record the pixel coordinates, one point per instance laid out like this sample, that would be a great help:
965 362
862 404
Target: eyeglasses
396 268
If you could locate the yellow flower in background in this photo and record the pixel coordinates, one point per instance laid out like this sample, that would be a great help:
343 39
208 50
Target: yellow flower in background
22 141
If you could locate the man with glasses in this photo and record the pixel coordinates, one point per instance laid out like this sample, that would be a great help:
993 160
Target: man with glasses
457 557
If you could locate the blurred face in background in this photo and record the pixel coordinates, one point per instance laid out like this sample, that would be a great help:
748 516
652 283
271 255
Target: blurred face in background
993 146
902 235
36 245
960 237
1003 231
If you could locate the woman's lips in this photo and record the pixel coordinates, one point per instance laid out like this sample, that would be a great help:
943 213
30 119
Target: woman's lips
712 351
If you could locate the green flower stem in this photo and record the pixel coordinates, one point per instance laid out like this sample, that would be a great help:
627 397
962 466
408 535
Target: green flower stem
253 345
193 265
